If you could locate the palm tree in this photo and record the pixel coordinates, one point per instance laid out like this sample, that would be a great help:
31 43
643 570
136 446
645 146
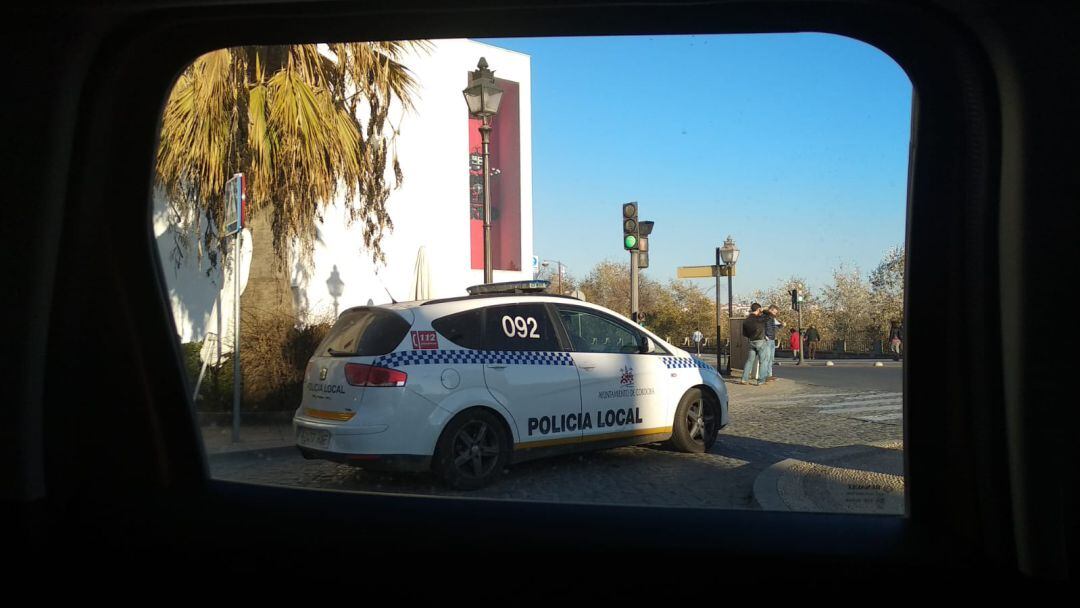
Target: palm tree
307 125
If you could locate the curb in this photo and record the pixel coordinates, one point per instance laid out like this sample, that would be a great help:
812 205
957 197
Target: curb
809 483
766 494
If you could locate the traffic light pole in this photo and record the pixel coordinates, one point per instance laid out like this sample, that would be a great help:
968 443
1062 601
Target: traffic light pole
634 286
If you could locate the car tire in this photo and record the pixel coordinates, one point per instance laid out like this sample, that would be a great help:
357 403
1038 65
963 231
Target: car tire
472 451
697 422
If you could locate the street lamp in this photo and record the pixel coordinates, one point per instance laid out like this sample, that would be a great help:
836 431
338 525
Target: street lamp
729 253
483 97
559 264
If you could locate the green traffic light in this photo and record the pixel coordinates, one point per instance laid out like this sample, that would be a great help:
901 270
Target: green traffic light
630 241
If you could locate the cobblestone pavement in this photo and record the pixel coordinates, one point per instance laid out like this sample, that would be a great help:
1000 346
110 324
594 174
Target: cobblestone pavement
770 423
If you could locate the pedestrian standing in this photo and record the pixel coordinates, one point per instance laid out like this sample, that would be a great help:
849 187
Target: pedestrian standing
772 324
753 329
896 339
812 337
795 341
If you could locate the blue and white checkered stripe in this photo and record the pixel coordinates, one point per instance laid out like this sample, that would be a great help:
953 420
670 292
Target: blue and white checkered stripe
685 362
472 357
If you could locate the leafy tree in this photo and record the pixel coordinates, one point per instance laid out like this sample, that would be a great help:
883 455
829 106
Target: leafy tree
305 123
887 287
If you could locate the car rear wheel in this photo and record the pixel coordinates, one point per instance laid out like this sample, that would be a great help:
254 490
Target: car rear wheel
472 450
697 422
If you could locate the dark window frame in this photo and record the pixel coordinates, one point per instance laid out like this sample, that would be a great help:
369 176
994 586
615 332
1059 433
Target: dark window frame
980 502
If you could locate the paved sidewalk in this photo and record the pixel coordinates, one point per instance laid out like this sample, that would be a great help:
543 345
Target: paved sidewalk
254 437
858 478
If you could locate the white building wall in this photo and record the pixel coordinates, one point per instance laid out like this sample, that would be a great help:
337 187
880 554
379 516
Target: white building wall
431 209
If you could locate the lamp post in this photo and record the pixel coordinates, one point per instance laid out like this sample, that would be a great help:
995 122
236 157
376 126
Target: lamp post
559 265
729 254
483 97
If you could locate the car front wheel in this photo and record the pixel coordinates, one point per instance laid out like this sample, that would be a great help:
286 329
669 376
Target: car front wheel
697 422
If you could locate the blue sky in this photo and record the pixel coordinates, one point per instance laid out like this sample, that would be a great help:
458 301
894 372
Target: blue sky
795 144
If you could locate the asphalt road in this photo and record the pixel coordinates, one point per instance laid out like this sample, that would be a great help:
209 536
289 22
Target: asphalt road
850 374
853 374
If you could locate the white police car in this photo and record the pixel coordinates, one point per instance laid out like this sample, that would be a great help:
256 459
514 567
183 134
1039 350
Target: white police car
466 386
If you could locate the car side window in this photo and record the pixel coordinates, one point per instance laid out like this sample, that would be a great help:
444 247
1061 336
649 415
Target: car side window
593 333
463 328
519 327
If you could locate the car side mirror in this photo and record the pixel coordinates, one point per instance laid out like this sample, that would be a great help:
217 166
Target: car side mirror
646 345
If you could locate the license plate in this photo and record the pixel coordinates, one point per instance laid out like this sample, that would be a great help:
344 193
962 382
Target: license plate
313 438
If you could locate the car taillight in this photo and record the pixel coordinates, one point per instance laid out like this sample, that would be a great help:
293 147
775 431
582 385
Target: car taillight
358 374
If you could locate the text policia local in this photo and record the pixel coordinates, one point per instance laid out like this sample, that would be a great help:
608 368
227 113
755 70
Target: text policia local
563 423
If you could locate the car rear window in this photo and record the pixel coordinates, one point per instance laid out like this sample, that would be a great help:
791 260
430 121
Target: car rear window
463 328
364 332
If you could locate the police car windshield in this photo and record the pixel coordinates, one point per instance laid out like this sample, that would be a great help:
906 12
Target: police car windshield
364 332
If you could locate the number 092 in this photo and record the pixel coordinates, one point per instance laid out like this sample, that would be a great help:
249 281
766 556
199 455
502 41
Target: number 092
520 327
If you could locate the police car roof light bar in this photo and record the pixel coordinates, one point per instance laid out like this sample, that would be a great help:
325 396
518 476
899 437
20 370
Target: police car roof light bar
509 287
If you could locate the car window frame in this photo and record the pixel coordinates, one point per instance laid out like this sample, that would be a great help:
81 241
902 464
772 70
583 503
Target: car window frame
479 311
658 349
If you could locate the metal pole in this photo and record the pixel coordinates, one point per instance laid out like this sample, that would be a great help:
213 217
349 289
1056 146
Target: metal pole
717 307
236 339
485 136
634 286
731 315
560 276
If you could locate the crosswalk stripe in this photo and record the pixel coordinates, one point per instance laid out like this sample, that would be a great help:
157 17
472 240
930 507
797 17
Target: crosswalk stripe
884 417
801 397
855 410
861 402
869 406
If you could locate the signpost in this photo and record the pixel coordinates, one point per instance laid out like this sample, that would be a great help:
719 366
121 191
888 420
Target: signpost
716 270
235 212
697 340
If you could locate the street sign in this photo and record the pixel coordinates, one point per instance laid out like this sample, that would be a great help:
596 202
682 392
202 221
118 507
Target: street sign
235 204
697 272
536 265
698 336
705 272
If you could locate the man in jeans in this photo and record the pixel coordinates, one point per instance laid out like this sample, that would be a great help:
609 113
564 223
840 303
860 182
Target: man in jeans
772 323
753 329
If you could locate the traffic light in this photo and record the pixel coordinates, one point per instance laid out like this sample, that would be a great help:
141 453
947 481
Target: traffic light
630 227
794 299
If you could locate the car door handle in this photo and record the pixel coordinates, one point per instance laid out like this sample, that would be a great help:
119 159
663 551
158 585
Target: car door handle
497 366
588 368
